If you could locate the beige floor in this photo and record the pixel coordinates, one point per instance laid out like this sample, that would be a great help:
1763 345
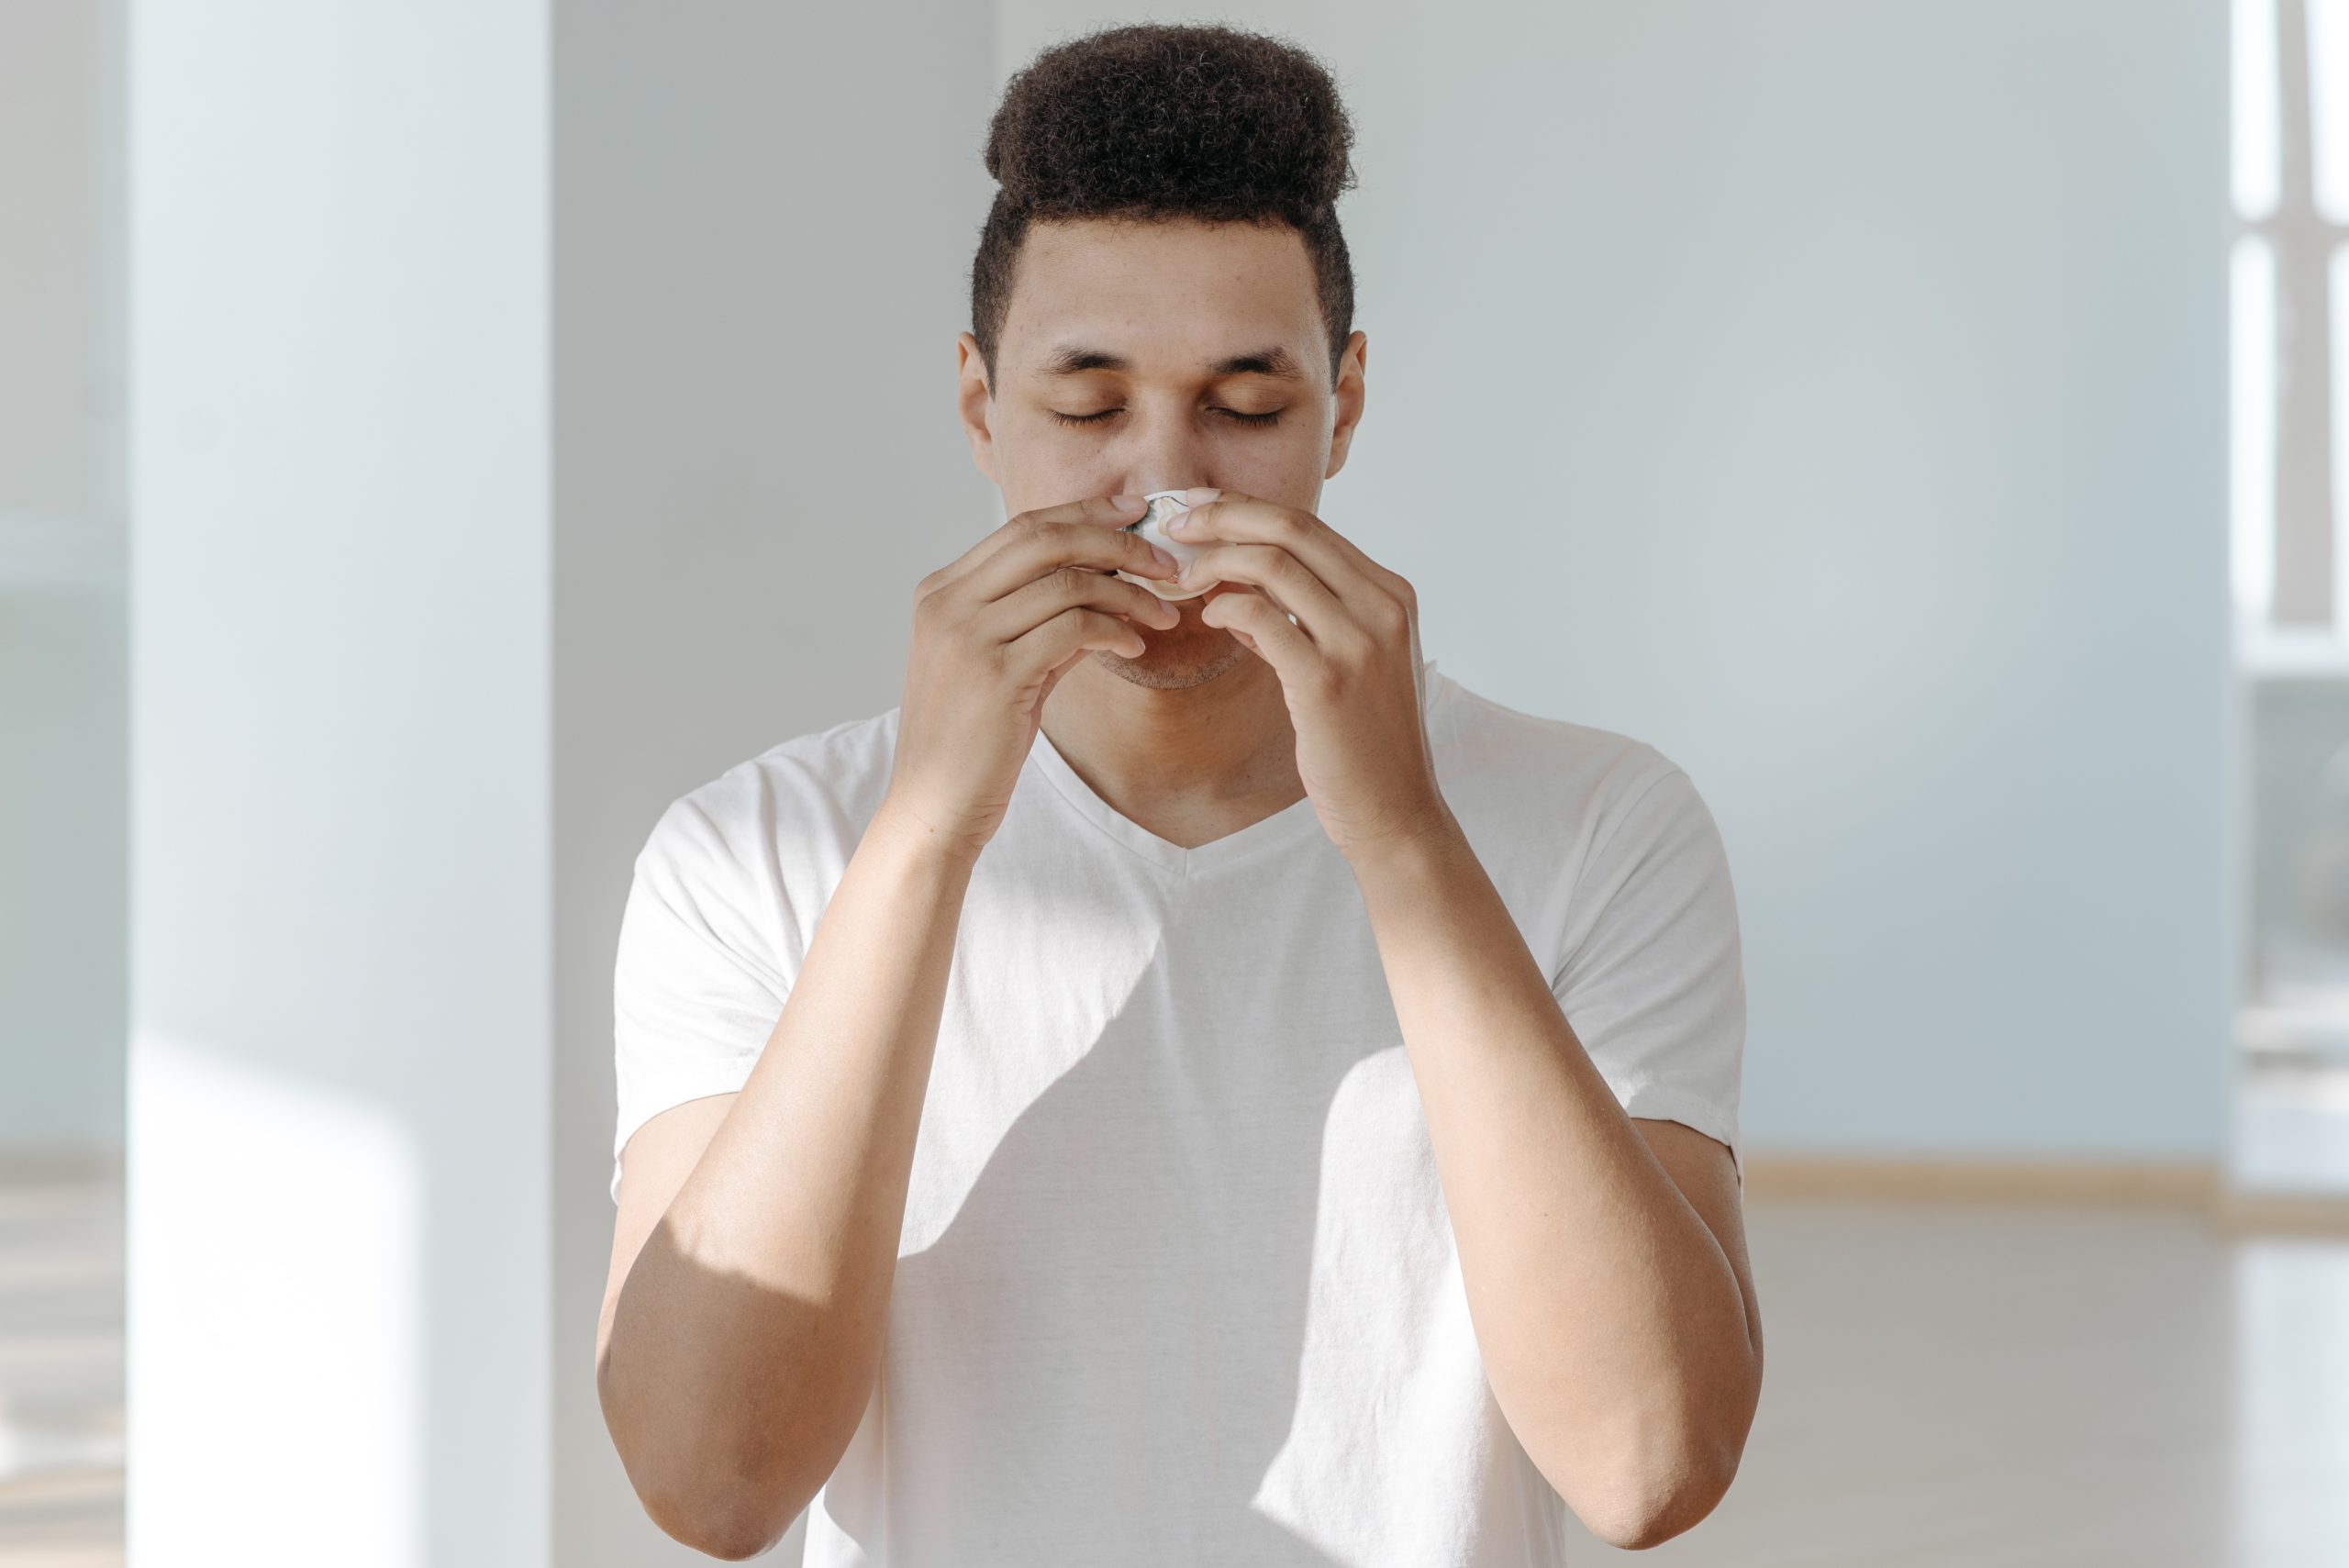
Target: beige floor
61 1370
1948 1384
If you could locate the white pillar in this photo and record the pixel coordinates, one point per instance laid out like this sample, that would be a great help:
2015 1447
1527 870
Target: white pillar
340 578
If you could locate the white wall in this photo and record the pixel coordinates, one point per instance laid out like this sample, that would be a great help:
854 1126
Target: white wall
764 223
1832 393
341 799
60 177
62 629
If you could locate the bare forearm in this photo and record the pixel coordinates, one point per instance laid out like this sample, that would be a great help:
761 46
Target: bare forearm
1611 1323
746 1336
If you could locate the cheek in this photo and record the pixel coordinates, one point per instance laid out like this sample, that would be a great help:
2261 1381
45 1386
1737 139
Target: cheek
1283 468
1045 471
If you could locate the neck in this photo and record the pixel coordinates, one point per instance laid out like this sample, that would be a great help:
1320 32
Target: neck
1226 745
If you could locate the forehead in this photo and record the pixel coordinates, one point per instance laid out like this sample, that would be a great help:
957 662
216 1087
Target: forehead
1168 291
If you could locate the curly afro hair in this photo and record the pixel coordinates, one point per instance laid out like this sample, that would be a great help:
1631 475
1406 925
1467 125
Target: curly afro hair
1154 122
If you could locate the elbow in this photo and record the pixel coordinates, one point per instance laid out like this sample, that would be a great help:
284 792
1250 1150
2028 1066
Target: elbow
1659 1470
727 1500
734 1545
729 1536
1647 1511
1637 1530
733 1511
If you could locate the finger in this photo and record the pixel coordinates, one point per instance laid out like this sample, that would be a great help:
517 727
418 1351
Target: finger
1101 508
1266 632
1030 605
1351 575
1071 632
1088 533
1285 579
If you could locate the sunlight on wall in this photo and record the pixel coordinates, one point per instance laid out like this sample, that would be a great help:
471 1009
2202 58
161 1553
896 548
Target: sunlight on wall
301 1356
2329 104
2252 399
2254 107
2291 1399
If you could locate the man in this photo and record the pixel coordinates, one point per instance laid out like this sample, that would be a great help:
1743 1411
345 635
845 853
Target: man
1193 1084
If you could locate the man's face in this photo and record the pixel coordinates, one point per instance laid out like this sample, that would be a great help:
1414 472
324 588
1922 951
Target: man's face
1200 347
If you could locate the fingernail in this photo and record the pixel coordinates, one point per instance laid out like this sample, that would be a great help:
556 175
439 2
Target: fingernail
1179 524
1201 496
1126 502
1164 560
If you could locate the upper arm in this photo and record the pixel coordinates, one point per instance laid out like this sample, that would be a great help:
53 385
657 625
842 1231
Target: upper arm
659 1156
1702 1169
708 944
1652 975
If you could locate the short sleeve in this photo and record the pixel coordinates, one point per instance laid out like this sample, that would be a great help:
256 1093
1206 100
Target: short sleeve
1654 988
696 987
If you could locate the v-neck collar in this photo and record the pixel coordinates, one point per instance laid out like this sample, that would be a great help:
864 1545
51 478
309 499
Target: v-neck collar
1291 823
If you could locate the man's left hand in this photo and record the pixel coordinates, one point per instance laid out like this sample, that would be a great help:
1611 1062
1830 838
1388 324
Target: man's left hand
1350 663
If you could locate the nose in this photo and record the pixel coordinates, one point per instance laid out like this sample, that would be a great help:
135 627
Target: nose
1166 449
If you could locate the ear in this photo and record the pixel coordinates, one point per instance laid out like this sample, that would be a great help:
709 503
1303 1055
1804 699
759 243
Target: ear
975 401
1348 395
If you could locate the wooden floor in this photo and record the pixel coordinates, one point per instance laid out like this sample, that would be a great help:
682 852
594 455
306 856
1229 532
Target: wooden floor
2026 1386
1992 1385
61 1370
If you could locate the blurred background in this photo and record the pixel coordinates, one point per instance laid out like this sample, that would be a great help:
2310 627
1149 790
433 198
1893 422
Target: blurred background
433 436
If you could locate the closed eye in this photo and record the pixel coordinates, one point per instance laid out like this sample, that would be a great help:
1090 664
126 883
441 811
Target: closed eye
1271 418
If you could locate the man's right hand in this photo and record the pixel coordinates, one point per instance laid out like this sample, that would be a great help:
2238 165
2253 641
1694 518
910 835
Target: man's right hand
993 633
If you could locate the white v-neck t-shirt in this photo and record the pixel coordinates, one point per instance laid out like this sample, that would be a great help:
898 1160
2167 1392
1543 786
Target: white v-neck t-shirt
1176 1284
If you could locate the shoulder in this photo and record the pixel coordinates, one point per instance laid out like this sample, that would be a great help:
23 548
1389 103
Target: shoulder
1516 775
803 800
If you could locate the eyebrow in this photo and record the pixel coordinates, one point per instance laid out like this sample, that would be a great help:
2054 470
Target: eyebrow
1273 361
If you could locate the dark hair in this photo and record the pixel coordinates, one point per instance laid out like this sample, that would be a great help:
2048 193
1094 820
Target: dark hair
1153 122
